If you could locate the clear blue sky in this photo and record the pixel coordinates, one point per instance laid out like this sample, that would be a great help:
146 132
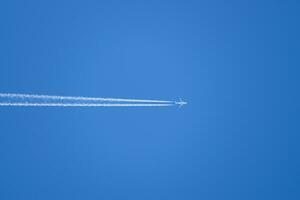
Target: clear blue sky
235 62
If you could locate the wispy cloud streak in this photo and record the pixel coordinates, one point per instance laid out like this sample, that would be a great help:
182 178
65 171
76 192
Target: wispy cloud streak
83 104
79 98
34 100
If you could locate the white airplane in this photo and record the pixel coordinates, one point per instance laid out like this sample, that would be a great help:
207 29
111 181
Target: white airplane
180 103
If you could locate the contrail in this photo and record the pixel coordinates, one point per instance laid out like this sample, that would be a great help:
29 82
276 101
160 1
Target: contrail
79 98
84 104
34 100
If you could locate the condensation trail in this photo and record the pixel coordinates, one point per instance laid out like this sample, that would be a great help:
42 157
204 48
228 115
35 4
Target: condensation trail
79 98
84 104
35 100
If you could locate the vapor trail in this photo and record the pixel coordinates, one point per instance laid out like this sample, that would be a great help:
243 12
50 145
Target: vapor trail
79 98
83 104
34 100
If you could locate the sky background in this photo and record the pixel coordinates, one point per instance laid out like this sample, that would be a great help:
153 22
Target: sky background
236 63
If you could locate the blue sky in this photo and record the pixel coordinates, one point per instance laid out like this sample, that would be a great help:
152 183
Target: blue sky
235 62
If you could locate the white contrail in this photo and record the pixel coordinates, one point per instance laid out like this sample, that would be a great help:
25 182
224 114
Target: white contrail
34 100
79 98
83 104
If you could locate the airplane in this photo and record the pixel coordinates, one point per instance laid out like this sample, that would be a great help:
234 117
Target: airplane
180 103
